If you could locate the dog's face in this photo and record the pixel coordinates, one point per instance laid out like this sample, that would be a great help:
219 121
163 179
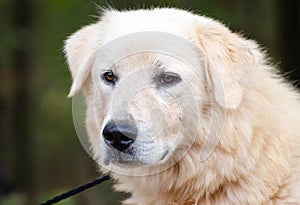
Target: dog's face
150 95
145 104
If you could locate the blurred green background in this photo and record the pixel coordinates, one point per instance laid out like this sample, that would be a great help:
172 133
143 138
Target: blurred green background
40 155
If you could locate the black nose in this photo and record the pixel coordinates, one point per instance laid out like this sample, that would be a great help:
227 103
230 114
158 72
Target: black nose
120 135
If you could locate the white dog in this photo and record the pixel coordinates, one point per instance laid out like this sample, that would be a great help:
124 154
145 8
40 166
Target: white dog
181 110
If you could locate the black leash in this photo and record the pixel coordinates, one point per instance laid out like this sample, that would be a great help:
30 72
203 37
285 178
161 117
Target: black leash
76 190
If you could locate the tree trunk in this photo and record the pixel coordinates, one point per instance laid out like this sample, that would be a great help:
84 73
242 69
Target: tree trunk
23 166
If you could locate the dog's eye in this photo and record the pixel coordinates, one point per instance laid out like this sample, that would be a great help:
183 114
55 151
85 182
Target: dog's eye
109 76
169 78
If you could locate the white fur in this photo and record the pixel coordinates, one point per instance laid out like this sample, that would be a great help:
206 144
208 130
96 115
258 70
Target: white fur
255 160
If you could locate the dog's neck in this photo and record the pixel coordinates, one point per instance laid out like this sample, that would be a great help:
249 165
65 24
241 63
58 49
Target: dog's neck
173 187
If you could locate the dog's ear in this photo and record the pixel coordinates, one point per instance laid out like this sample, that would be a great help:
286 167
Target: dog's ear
80 49
231 61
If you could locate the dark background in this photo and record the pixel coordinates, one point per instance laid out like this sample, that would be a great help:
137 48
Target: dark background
40 155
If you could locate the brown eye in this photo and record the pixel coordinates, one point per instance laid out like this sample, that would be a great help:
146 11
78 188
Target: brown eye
109 76
168 78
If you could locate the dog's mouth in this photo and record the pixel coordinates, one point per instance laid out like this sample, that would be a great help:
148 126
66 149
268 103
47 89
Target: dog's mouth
129 158
126 163
121 159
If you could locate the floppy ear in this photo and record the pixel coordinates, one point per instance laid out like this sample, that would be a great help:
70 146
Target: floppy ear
231 61
80 49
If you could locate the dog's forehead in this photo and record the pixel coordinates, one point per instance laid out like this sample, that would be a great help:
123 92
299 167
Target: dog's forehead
126 34
142 60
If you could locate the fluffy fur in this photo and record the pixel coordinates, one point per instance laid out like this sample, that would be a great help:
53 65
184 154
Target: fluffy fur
256 161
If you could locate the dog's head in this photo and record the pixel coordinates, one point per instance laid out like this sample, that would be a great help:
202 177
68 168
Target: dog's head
153 80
